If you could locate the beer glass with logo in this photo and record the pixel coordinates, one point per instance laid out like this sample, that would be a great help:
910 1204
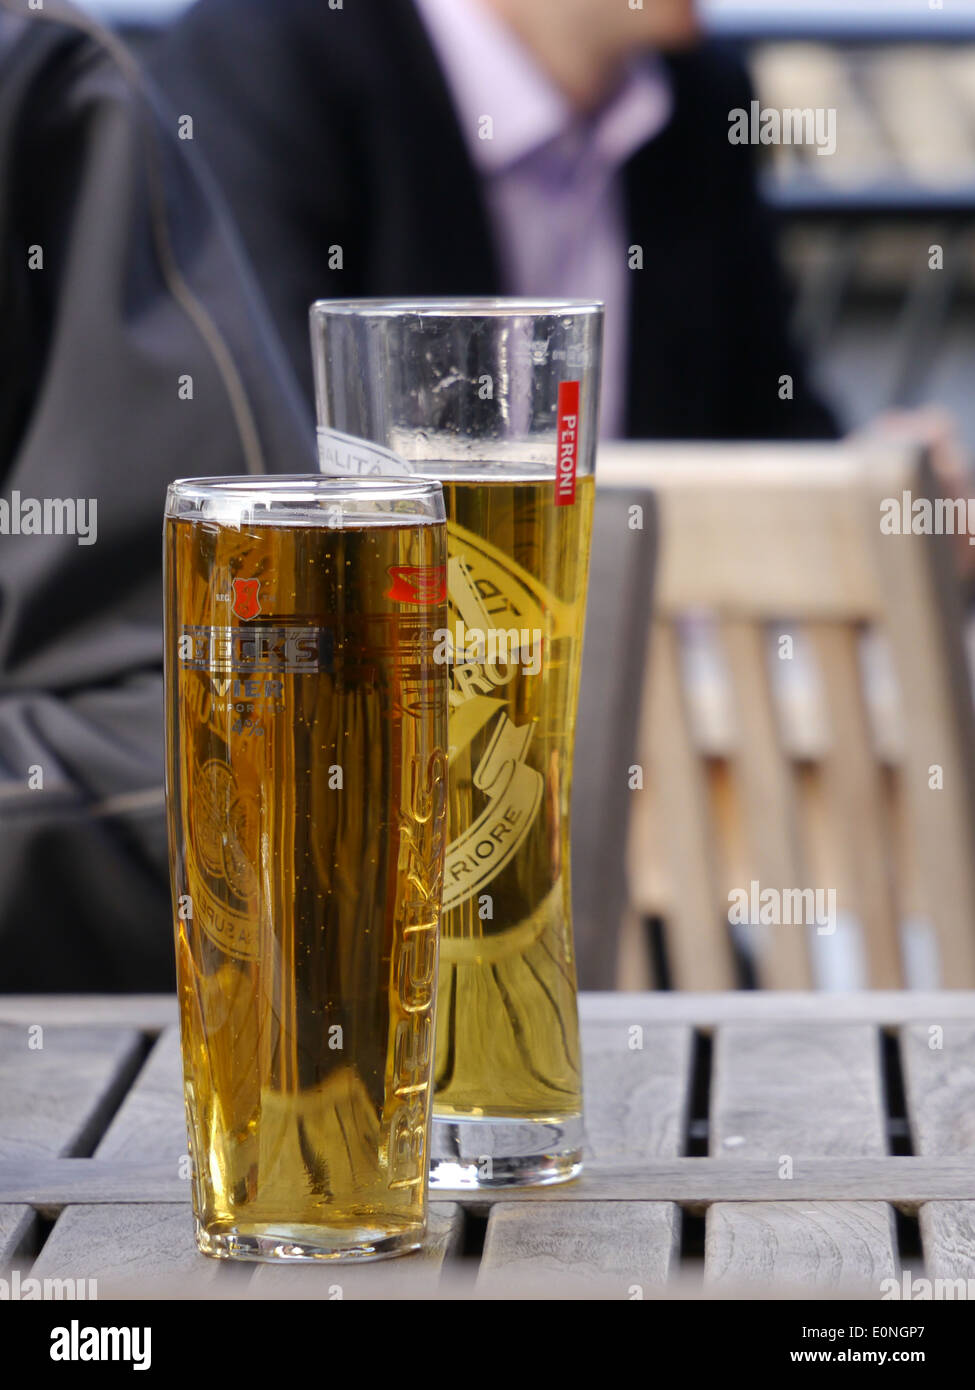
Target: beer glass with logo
306 725
498 400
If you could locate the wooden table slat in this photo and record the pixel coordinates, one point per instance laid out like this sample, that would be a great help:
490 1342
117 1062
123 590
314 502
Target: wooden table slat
797 1090
56 1097
122 1244
886 1008
149 1126
637 1085
948 1240
151 1122
789 1093
411 1275
804 1244
17 1225
152 1244
694 1182
938 1061
151 1013
612 1249
146 1013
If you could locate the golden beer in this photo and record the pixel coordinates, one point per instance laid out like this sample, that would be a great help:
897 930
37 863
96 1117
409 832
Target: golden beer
307 794
507 1031
498 399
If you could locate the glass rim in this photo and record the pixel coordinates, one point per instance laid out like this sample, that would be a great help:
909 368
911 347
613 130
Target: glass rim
450 306
291 486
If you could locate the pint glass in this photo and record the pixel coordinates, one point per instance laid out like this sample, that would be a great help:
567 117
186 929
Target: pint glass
306 726
498 400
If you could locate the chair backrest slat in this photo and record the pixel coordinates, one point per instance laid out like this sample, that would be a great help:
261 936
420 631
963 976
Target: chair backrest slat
802 780
924 630
606 742
768 800
699 947
856 805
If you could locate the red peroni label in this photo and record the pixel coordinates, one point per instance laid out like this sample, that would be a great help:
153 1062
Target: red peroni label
568 444
423 584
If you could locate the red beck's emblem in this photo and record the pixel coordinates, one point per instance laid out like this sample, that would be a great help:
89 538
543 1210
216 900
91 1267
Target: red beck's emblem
247 603
423 584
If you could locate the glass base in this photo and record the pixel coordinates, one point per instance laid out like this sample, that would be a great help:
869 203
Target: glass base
283 1244
500 1152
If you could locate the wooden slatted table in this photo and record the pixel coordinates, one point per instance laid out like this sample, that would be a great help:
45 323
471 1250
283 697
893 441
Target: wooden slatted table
801 1142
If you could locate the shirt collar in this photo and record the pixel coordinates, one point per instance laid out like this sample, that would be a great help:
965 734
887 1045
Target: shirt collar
490 73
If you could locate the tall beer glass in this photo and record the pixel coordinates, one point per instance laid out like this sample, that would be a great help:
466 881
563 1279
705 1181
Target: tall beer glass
497 399
306 745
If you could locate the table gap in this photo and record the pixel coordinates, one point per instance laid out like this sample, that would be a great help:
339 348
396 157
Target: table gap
691 1232
111 1102
655 932
473 1232
907 1228
40 1228
894 1097
697 1125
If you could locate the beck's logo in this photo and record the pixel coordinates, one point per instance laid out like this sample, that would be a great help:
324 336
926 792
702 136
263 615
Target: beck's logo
423 584
247 603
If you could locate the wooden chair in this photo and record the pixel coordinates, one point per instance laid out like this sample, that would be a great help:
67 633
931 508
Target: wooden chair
618 617
822 773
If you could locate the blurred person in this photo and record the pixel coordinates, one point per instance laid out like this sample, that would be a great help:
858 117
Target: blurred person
528 147
133 348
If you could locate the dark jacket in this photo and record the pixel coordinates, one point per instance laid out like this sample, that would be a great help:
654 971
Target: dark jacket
334 128
141 284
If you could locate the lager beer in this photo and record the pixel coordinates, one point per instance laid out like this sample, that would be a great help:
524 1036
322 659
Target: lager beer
498 400
507 1035
307 795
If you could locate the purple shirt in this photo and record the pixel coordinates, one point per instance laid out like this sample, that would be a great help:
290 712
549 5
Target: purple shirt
552 179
